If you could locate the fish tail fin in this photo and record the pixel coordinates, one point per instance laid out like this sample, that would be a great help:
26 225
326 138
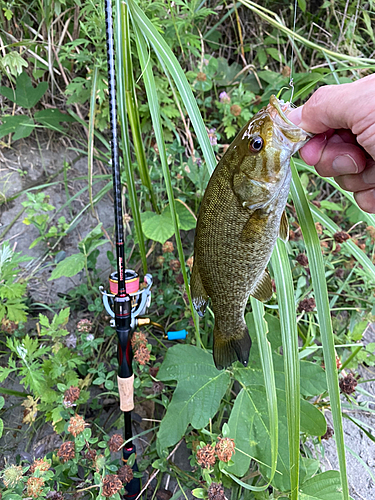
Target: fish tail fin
228 349
198 293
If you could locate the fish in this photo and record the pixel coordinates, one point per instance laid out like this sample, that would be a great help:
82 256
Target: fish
241 216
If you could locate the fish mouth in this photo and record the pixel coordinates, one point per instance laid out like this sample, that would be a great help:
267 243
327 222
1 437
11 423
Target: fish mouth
283 127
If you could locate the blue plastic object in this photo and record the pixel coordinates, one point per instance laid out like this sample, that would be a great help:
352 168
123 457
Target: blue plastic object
179 335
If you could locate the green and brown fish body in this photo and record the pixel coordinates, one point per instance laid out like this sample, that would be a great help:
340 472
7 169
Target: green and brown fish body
241 216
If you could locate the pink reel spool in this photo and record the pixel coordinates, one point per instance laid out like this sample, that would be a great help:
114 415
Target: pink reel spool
131 280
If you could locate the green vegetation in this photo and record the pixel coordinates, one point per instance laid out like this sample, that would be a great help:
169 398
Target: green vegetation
189 75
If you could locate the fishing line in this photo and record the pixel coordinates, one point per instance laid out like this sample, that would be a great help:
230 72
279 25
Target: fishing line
291 83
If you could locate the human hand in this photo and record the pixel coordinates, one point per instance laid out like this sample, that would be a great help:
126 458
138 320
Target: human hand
343 117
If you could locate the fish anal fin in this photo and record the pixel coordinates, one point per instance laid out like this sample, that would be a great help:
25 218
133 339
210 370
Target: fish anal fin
198 293
284 227
263 288
228 349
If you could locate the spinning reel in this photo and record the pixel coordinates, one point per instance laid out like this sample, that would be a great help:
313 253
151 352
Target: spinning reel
140 295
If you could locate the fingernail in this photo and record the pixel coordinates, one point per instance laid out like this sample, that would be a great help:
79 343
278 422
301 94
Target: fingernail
344 164
320 139
368 176
295 115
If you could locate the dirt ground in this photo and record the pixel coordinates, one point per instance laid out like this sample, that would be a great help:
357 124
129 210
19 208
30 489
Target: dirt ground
29 164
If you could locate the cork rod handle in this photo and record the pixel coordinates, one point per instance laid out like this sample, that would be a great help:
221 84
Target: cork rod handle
125 389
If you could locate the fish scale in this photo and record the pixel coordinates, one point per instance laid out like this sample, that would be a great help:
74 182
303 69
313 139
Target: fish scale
241 216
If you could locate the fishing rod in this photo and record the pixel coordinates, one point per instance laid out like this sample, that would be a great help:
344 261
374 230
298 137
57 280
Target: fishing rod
122 300
127 300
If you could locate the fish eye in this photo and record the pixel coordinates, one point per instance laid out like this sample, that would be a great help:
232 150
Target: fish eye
256 144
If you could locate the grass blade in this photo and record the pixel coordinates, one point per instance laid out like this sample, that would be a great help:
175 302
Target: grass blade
122 112
350 246
164 52
369 218
90 146
287 309
269 379
275 21
131 106
318 278
153 102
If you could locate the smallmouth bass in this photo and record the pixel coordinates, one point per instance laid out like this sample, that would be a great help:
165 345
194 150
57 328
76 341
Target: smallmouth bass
241 216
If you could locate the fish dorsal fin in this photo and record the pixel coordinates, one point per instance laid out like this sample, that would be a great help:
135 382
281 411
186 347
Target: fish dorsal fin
263 288
284 227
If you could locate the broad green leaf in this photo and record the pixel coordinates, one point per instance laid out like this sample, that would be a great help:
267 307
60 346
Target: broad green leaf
329 205
275 54
27 95
13 61
11 496
308 467
51 118
8 92
274 332
62 317
186 220
56 414
313 378
240 425
199 493
325 486
302 5
68 267
94 239
157 227
1 427
250 425
200 388
20 125
2 401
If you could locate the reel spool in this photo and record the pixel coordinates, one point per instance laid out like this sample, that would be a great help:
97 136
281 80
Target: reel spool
140 301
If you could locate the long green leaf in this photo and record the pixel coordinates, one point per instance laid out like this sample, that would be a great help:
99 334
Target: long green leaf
318 278
164 52
369 218
265 353
153 102
349 245
120 70
287 309
90 146
275 21
131 106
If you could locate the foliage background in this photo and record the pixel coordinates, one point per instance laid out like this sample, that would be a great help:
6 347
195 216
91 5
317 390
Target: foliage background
53 55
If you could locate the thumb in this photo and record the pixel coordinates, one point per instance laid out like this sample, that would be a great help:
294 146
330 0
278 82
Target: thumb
348 106
326 109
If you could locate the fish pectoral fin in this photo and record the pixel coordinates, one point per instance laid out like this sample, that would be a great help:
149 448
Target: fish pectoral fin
263 288
284 227
254 227
199 295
